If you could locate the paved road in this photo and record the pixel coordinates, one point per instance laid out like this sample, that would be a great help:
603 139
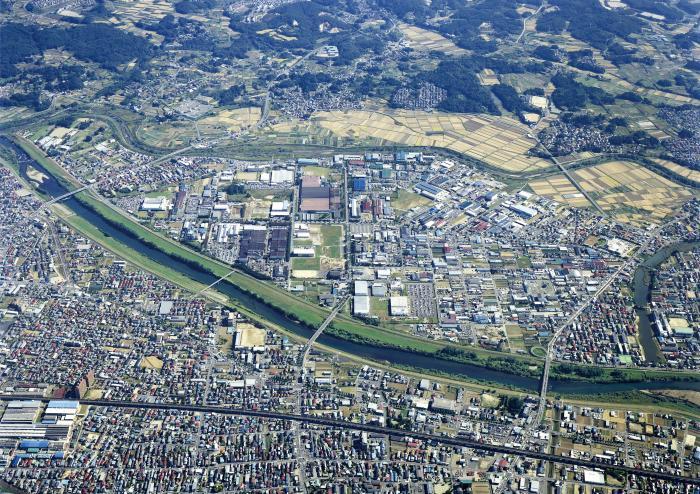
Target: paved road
322 328
534 14
328 422
63 196
584 306
571 178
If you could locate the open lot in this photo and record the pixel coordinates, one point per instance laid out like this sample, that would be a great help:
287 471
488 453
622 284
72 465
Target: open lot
406 200
327 241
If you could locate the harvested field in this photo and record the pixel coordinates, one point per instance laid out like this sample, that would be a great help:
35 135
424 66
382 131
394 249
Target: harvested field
230 120
626 190
500 142
679 169
425 40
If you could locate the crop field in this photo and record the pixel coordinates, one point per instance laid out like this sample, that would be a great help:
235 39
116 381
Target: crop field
144 9
500 142
229 120
560 189
626 190
128 13
167 135
488 77
679 169
13 113
426 40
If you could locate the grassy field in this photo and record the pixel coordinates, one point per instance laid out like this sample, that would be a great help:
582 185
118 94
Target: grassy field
406 199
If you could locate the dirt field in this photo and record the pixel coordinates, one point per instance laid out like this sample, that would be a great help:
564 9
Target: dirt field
501 142
251 336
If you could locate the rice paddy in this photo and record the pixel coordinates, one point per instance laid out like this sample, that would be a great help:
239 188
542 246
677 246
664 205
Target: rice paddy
501 142
230 120
679 169
425 40
626 190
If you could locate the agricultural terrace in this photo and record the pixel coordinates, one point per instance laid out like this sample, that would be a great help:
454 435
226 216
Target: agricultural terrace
628 191
501 142
425 40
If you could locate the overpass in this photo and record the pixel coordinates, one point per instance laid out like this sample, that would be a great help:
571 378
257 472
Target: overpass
459 442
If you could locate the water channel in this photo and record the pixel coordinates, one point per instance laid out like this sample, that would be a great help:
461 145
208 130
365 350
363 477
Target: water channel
397 357
642 285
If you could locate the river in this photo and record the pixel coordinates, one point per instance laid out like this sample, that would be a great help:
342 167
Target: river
397 357
642 284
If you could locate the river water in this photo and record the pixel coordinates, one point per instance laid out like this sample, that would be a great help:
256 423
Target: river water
642 285
379 354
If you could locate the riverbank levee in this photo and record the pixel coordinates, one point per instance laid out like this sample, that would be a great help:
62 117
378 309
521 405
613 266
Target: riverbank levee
105 224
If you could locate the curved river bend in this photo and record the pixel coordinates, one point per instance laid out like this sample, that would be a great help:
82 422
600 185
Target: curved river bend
397 357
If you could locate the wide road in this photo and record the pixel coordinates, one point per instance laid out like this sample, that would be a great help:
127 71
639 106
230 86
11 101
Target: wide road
322 328
344 424
550 347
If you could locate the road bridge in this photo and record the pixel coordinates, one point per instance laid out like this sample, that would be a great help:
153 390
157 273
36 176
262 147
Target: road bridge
322 328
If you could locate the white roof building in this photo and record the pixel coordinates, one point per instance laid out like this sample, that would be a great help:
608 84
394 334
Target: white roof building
159 203
281 176
279 208
361 287
398 306
360 305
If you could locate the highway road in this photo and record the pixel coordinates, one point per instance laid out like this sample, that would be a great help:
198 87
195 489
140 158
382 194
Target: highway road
328 422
